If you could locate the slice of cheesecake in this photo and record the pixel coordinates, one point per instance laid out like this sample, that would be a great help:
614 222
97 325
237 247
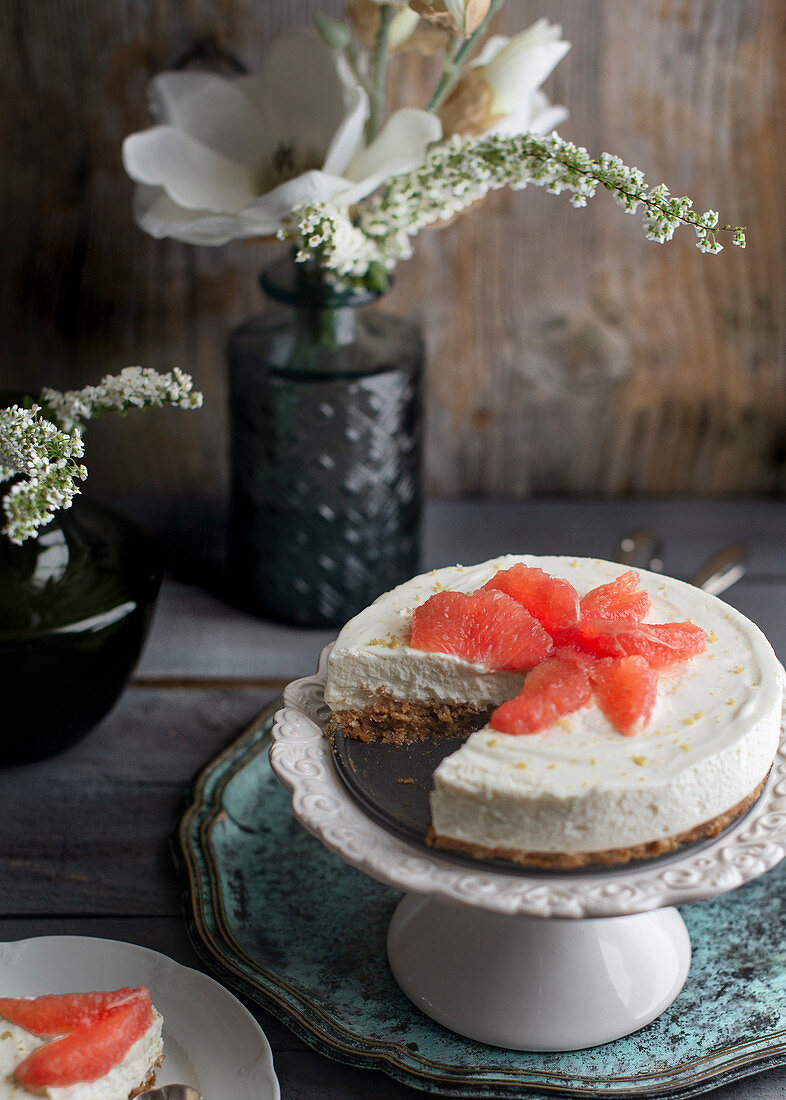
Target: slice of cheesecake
102 1045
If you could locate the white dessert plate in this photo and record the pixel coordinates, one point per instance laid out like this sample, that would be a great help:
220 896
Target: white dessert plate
211 1040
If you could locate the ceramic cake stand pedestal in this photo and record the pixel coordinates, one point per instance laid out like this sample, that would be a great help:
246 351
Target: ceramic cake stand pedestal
526 961
529 983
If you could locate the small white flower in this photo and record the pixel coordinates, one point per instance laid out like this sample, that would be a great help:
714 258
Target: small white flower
40 446
460 172
233 158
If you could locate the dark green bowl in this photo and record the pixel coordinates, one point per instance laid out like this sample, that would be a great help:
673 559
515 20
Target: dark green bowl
75 606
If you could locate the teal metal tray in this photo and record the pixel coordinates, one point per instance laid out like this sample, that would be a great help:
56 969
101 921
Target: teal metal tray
289 925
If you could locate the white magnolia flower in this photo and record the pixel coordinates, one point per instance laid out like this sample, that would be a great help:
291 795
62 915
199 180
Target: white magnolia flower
500 91
232 158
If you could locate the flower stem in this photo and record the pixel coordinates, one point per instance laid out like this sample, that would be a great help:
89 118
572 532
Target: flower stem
379 71
455 63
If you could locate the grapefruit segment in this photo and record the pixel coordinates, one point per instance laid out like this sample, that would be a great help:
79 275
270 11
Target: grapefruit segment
485 627
625 691
57 1014
554 602
619 599
660 644
555 688
89 1053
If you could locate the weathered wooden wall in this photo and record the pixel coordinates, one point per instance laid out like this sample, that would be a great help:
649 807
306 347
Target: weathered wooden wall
567 353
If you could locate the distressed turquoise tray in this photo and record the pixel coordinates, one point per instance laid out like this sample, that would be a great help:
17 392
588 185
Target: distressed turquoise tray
278 917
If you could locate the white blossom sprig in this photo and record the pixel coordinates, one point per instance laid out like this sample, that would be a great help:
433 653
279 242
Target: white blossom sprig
132 388
40 446
458 173
43 463
323 231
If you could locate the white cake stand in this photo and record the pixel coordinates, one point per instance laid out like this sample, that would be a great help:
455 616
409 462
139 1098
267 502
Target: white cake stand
527 961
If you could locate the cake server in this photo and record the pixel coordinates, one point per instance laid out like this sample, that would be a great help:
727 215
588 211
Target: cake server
170 1092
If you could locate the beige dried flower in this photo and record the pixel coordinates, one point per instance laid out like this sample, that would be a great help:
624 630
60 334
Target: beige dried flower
461 17
468 110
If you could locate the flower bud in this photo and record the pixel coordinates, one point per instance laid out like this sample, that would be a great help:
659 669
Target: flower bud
334 34
365 16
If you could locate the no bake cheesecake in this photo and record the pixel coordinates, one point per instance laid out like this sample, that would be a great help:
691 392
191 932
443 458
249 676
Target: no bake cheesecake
79 1046
657 706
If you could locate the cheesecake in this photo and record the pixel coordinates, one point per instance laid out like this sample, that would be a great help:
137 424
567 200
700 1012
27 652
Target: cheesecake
81 1046
589 781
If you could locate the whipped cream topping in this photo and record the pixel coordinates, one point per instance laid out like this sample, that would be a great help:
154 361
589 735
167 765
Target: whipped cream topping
580 785
117 1084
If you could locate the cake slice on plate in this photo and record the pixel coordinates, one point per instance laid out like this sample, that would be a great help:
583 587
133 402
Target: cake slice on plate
102 1045
609 714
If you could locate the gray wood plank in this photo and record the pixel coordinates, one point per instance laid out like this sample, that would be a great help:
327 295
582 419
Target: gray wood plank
196 634
88 831
471 531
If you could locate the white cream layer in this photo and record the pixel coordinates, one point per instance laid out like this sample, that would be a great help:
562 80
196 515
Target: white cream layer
580 785
372 654
122 1079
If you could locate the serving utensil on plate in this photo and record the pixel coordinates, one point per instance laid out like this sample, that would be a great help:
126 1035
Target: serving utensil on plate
722 569
170 1092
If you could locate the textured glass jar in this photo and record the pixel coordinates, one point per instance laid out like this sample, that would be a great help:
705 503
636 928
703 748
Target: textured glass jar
325 424
75 605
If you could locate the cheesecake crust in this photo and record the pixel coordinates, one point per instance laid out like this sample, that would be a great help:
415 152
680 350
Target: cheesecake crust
403 721
149 1081
569 861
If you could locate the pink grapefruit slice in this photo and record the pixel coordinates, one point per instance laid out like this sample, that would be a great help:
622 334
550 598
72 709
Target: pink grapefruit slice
485 627
555 688
57 1014
620 599
554 602
660 644
90 1053
625 691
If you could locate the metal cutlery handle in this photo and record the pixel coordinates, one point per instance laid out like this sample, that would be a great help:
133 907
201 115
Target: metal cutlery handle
642 548
722 569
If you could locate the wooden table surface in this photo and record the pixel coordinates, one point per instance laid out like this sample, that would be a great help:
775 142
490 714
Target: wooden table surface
87 832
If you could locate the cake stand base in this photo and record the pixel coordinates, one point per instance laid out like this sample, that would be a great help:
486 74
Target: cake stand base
531 984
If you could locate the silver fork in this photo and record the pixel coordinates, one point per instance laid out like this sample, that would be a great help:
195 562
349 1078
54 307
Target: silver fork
642 548
170 1092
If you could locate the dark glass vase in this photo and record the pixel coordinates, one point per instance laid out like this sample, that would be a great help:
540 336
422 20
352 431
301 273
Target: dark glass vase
75 605
325 424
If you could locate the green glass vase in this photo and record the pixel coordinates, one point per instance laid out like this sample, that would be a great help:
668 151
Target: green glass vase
325 400
75 605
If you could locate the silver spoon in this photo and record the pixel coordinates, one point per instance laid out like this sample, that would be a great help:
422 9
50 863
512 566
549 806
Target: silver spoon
170 1092
723 569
